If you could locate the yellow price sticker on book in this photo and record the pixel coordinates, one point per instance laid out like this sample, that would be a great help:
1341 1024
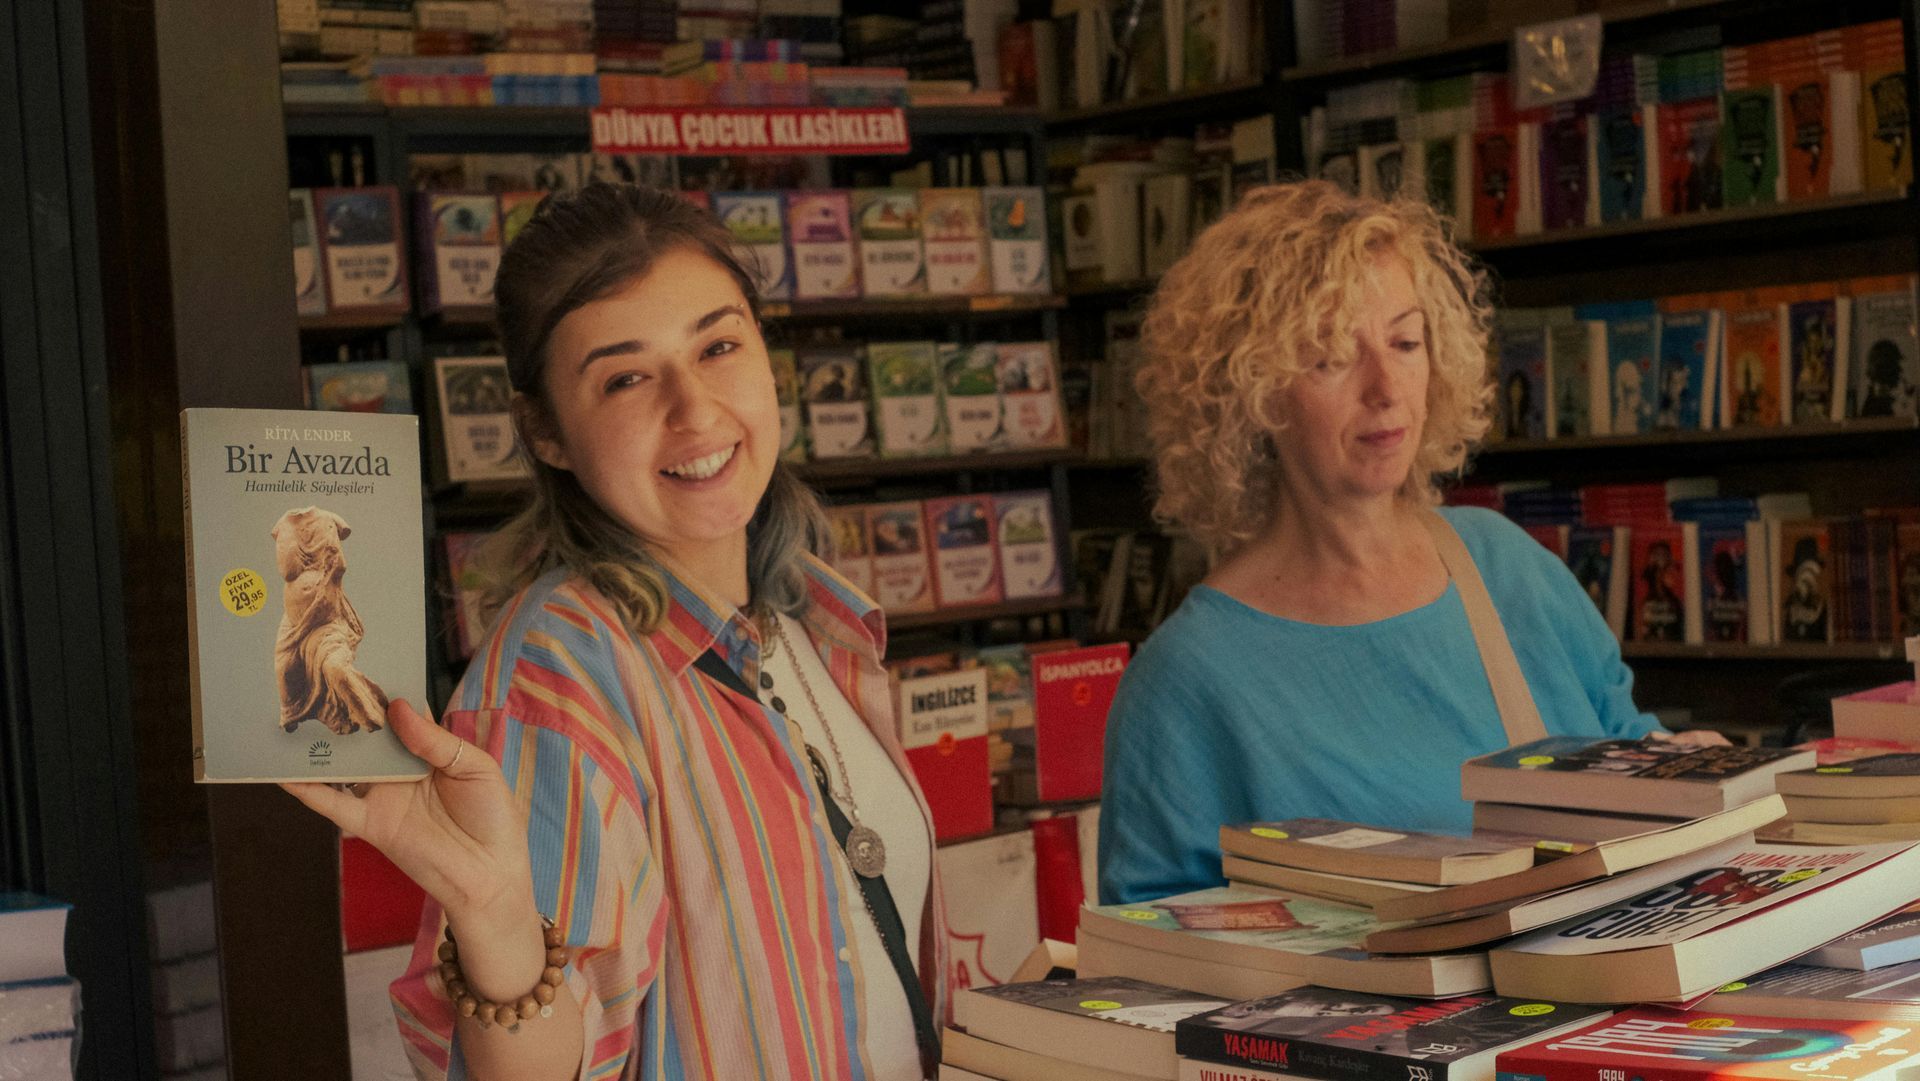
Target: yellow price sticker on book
1791 877
1537 760
243 592
1736 985
1099 1004
1532 1009
1553 846
1711 1022
1834 769
1264 831
1136 914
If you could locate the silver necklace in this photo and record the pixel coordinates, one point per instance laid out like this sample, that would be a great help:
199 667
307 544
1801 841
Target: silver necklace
866 852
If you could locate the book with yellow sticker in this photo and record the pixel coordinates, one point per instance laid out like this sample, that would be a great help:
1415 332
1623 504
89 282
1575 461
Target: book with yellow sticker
306 587
1323 844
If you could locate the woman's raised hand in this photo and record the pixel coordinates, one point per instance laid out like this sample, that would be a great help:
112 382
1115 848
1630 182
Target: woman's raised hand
457 832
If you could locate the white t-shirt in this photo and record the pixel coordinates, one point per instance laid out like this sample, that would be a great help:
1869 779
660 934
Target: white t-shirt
886 806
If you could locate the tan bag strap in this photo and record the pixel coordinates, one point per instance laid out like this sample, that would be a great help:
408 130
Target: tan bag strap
1518 715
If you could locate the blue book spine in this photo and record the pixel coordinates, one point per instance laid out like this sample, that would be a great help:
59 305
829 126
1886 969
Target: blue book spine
1684 341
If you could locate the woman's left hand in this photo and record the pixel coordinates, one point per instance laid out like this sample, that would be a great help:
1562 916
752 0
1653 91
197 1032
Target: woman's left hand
1693 737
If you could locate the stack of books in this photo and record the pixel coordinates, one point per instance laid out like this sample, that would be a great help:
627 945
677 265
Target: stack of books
1569 888
1865 784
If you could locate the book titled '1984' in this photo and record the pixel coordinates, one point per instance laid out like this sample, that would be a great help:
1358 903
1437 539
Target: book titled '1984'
306 588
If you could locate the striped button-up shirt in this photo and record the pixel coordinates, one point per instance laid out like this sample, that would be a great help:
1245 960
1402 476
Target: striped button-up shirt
678 837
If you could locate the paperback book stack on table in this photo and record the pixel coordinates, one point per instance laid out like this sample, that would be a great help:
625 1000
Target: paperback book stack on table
1865 786
1342 950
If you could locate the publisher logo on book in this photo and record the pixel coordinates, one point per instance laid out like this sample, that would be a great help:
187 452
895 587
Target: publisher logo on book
320 754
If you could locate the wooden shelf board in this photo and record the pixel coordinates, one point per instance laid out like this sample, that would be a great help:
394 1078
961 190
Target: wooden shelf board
1741 651
1203 103
352 320
845 469
1857 426
910 307
1700 220
973 613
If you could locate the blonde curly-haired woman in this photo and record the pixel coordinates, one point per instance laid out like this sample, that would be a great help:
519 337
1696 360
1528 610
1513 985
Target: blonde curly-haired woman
1316 361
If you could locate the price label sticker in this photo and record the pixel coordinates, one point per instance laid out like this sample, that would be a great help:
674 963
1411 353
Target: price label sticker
1532 1009
1270 832
1537 760
243 592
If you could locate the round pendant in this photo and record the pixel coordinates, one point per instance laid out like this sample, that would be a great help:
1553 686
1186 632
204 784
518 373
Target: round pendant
866 852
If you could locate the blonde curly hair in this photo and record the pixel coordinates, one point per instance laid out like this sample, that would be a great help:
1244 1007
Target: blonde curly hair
1235 321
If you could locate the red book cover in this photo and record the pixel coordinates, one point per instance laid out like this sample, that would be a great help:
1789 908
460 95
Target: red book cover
1659 607
1551 537
1058 890
379 904
943 728
1072 691
1496 183
1647 1043
1689 155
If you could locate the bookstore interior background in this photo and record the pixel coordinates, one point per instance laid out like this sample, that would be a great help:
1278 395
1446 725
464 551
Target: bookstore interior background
1699 217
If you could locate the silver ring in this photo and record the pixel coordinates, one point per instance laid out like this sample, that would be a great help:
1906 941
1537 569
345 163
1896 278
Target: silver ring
455 760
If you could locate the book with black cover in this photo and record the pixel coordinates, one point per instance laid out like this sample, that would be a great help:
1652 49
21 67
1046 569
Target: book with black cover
1113 1022
1644 776
1349 1036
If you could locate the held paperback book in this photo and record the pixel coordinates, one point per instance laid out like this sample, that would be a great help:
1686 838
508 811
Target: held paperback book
306 583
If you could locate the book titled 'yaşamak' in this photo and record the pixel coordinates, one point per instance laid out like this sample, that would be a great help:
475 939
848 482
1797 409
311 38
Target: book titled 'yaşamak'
1348 1036
306 586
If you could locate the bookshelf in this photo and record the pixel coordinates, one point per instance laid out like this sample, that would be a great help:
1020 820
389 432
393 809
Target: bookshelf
387 136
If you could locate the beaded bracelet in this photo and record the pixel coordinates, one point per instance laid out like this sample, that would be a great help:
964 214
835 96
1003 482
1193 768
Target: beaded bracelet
508 1015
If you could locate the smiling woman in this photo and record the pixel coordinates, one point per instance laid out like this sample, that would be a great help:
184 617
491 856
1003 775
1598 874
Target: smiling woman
1317 362
687 843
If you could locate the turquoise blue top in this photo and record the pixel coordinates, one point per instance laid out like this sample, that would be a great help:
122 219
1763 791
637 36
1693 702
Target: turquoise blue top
1229 714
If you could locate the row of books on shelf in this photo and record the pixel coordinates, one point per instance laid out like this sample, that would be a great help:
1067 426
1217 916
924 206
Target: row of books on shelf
569 80
1702 568
837 402
1803 118
1134 208
648 37
1600 874
1786 355
1096 54
911 556
350 255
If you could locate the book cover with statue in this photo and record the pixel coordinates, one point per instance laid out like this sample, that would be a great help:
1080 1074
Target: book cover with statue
306 587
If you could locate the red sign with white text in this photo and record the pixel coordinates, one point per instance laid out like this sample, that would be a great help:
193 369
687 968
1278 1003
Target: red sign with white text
727 130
